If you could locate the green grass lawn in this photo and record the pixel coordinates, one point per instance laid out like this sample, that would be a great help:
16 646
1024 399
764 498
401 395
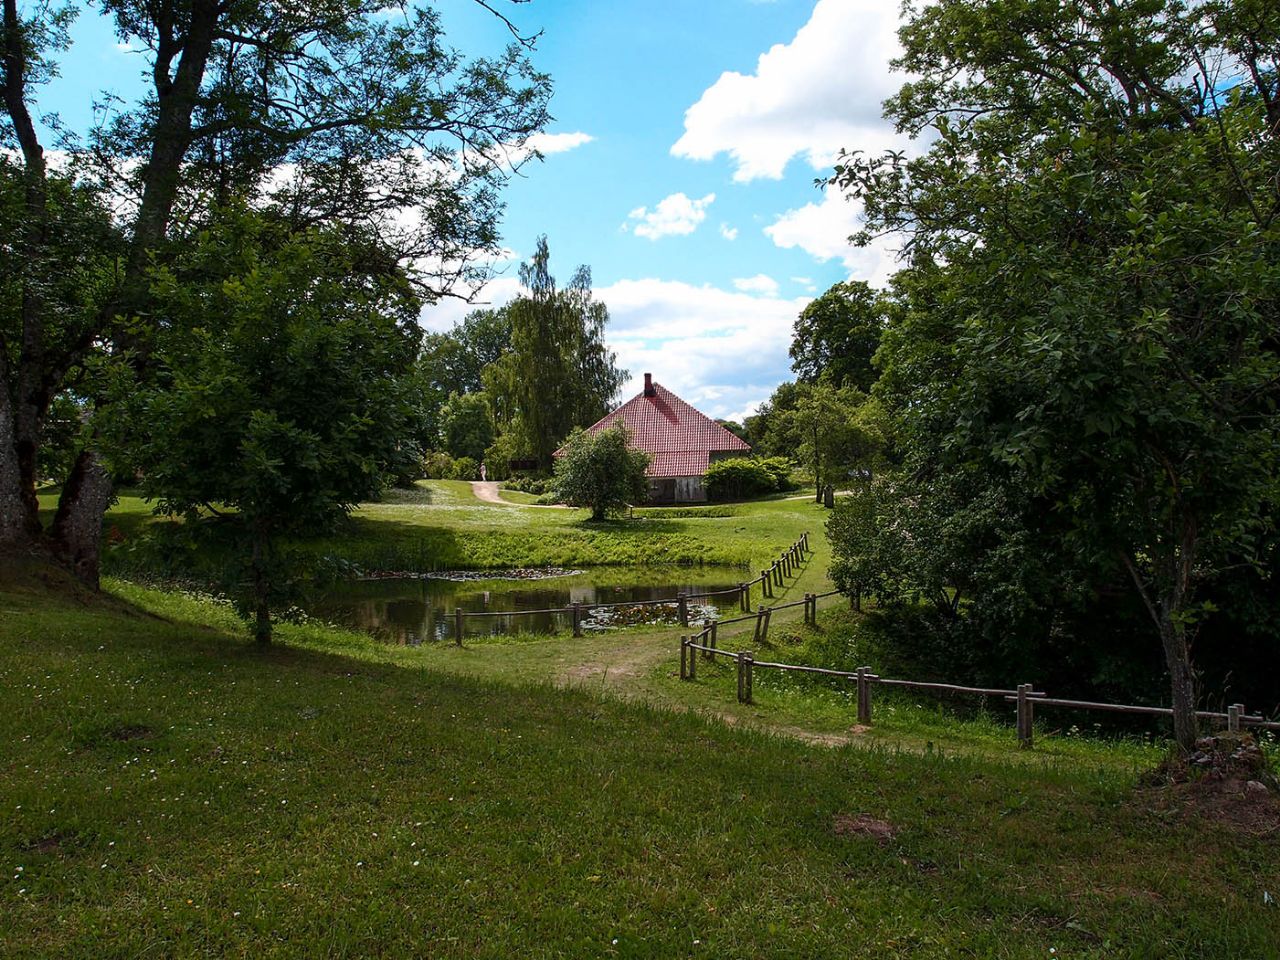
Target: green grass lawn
440 525
168 791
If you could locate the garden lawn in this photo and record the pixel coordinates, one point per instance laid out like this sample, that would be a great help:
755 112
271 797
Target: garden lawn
440 525
168 791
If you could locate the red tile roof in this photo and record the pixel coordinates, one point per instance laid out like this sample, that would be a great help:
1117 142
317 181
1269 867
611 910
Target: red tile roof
678 438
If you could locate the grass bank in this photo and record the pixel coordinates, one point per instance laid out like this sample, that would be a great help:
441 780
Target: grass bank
168 791
440 525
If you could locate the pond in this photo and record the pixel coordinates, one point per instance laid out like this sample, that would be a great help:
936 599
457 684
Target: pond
412 611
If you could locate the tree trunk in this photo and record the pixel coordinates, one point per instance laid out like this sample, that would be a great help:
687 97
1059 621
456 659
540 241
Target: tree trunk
1177 655
77 526
261 585
14 521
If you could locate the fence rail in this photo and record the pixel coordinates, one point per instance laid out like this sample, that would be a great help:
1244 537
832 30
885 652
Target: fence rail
787 565
1025 696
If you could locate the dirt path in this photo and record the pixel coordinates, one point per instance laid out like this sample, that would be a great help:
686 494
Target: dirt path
486 491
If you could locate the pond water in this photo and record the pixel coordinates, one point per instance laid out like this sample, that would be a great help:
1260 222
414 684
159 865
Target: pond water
414 611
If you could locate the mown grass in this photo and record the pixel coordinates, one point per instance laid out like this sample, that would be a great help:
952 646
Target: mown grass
440 525
168 791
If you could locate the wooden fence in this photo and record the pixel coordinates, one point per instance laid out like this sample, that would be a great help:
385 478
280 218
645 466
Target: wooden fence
775 575
1025 697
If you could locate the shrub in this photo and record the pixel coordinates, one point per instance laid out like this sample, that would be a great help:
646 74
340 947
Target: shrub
534 485
437 465
740 477
465 468
780 469
601 471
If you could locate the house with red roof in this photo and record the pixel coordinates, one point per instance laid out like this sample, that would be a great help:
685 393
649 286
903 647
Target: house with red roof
681 442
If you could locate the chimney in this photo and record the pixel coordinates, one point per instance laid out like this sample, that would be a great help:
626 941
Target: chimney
648 385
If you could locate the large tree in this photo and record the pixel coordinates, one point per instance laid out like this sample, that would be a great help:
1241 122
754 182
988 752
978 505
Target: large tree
342 113
559 374
1091 309
836 336
290 409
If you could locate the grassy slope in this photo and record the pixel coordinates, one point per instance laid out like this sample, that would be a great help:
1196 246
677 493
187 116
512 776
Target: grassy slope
439 524
168 791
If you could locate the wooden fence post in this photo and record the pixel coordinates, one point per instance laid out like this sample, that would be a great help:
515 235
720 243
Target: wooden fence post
693 661
744 597
682 603
684 658
712 639
457 626
745 660
1025 716
1234 712
768 615
576 612
864 696
786 564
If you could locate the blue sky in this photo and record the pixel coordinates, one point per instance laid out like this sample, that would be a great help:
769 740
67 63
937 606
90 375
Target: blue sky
679 166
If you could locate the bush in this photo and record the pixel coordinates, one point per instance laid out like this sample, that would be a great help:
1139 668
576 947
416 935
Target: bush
780 469
465 468
601 471
437 465
534 485
741 477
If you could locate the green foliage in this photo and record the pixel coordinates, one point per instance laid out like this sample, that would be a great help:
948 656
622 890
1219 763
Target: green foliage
437 465
739 478
466 425
558 374
536 485
295 406
601 471
1087 329
837 433
836 336
465 468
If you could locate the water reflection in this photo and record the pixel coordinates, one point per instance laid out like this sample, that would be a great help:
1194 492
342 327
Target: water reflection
416 611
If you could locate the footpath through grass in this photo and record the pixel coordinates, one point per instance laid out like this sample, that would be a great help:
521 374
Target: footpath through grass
167 791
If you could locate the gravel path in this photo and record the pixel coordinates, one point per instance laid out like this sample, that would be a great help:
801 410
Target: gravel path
486 491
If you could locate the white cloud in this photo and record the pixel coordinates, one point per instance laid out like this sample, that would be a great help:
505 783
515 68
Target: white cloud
442 316
813 96
728 232
549 143
822 230
724 351
675 215
761 283
721 350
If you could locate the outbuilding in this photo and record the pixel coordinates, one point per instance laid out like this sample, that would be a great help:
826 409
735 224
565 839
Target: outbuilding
681 442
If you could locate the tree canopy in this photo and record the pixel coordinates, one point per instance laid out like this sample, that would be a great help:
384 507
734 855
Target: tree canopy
334 113
1087 327
558 373
601 471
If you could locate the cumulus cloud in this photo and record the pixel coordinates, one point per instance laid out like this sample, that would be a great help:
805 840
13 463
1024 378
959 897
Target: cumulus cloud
549 143
676 215
723 351
813 96
822 230
728 232
761 283
443 315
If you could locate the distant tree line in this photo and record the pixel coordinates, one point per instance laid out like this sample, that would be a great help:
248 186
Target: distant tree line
511 383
